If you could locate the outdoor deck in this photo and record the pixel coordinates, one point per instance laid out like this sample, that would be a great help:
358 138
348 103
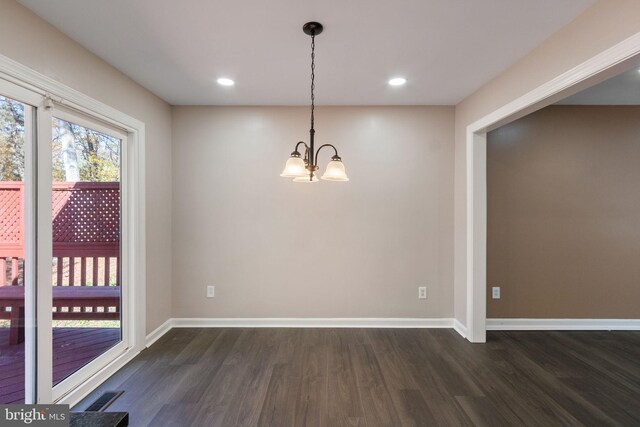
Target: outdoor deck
72 348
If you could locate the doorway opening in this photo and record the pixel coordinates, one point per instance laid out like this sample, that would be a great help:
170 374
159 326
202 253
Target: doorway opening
609 63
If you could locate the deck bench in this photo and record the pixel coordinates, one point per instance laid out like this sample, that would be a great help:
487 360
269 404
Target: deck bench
69 297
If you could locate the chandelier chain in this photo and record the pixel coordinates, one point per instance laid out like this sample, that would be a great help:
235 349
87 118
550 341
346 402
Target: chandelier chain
313 75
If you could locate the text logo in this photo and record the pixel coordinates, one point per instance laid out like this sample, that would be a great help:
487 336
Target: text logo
34 415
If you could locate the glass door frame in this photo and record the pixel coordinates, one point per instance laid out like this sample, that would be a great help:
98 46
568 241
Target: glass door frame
31 101
91 368
47 95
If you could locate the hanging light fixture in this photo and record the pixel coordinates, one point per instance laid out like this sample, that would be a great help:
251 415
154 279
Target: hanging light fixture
303 169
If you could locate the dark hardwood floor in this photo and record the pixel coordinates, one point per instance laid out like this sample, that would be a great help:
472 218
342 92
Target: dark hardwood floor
386 377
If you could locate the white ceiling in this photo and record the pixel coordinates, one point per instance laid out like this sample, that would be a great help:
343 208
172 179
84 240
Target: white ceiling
446 49
623 89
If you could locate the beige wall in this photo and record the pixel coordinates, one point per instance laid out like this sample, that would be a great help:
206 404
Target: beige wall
563 232
274 248
598 28
29 40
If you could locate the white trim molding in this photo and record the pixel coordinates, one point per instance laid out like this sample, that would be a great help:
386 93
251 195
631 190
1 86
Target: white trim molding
460 328
158 332
287 322
347 322
37 82
603 65
563 324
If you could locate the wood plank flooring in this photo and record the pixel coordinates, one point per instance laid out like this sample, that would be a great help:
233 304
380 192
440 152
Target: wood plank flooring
381 377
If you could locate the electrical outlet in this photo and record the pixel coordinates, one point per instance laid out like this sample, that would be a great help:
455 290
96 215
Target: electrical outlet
422 292
495 292
211 291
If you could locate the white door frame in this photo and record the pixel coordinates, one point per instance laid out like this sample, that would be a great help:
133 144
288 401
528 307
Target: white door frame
134 248
601 67
31 101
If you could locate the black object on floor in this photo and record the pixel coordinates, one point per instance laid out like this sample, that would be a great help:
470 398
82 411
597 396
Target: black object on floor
99 419
103 402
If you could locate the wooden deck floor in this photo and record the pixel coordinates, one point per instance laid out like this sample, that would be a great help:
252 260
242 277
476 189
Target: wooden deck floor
380 377
72 348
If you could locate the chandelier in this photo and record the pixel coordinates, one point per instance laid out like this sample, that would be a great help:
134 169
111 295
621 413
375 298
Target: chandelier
303 169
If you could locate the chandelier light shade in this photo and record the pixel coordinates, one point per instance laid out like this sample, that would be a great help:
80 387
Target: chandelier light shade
335 171
303 169
295 168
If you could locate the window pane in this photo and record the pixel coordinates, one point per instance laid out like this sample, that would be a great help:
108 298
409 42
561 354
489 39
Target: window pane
12 169
86 246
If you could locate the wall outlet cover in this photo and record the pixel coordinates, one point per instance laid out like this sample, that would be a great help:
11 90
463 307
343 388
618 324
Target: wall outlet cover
422 292
211 291
495 292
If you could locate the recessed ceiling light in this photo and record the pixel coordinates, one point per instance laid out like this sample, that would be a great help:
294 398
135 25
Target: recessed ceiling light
397 81
223 81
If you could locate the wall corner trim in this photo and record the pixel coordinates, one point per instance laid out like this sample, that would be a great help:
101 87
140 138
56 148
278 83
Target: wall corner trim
460 328
563 324
157 333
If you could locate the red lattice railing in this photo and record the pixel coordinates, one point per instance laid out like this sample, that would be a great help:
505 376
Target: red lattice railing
86 218
11 219
86 233
86 243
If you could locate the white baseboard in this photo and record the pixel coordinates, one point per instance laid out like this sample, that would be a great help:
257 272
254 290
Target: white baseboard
348 322
460 328
157 333
563 324
311 323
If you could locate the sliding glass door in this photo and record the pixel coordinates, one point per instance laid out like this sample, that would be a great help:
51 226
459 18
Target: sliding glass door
15 121
62 182
86 160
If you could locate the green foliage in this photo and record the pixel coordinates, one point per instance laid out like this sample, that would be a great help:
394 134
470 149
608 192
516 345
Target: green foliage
96 155
11 140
